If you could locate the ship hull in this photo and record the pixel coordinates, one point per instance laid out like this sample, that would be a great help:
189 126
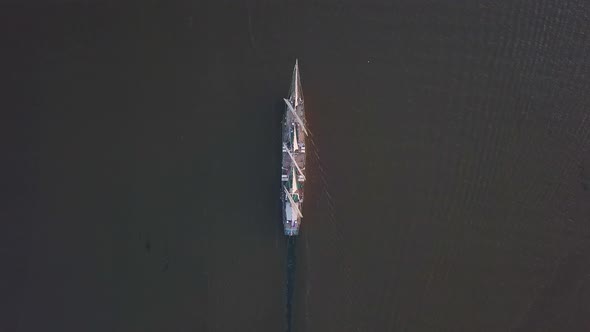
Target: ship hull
294 132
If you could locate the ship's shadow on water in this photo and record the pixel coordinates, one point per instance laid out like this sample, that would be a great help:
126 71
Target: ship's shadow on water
291 245
291 241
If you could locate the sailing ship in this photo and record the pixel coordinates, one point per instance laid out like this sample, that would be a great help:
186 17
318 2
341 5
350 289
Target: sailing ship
293 164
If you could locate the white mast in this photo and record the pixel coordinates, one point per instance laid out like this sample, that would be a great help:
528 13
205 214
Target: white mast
293 204
294 184
294 161
296 116
295 145
296 82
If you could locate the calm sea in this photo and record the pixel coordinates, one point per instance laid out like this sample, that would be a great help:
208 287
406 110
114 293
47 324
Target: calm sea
448 188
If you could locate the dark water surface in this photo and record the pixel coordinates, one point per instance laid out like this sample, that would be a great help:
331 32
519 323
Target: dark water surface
453 137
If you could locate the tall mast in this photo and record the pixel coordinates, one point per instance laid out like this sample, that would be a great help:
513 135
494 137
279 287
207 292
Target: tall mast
295 145
292 110
285 148
294 184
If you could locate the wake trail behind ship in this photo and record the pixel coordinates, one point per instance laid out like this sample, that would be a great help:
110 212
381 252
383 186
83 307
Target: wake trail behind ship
291 265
